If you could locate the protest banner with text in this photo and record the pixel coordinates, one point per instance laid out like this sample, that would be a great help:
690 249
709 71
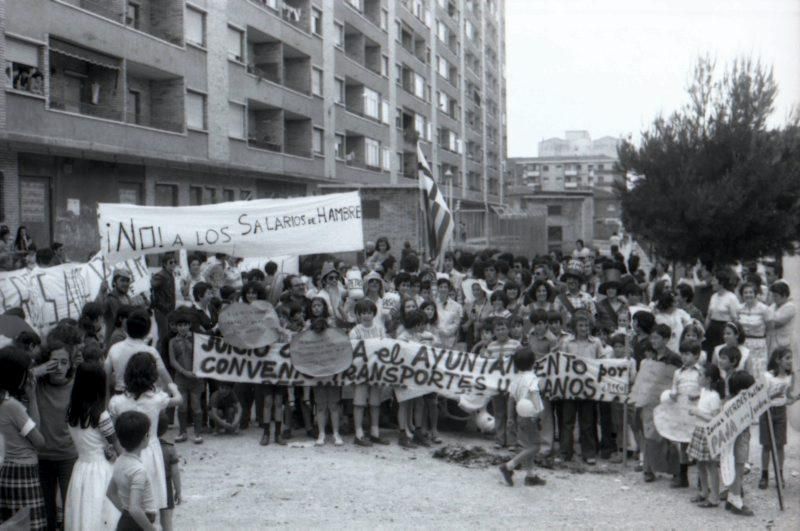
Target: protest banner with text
414 369
266 227
737 415
14 291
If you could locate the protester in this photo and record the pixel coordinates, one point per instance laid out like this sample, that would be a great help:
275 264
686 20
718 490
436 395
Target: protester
190 387
172 471
779 380
708 405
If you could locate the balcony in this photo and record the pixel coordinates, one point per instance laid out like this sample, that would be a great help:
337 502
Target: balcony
154 17
84 81
154 98
277 130
570 173
362 50
271 59
414 44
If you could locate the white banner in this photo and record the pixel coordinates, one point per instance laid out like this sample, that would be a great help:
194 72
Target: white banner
266 227
14 292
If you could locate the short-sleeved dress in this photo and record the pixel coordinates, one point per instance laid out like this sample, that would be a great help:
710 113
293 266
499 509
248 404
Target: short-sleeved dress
87 506
151 404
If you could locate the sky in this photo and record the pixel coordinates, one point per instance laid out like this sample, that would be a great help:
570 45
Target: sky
611 66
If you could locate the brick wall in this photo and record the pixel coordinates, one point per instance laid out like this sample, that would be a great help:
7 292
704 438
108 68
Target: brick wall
166 99
166 19
399 217
297 74
298 137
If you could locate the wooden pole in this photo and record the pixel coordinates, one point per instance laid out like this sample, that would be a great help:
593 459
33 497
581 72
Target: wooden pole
774 449
625 433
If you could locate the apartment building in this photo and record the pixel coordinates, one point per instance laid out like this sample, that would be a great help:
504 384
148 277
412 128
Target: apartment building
573 178
187 102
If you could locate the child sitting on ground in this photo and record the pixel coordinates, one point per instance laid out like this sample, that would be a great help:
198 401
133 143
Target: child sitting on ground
525 400
224 409
130 489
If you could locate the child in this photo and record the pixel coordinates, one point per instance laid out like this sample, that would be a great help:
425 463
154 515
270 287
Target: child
778 378
130 489
686 384
171 469
224 409
365 394
53 387
181 357
708 405
326 397
618 343
499 302
141 375
525 387
518 329
487 331
92 432
555 323
414 330
19 474
501 348
738 382
428 406
541 344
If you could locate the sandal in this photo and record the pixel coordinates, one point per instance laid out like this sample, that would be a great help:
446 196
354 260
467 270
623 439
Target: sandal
707 505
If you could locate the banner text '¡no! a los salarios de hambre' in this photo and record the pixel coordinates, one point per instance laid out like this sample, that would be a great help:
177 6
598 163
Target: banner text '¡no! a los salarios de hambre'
265 227
415 369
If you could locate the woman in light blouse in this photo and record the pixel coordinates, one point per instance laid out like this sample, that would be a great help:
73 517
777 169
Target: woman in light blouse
783 312
722 308
754 316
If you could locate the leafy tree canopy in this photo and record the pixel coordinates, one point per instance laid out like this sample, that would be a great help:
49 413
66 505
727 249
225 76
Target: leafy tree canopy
712 180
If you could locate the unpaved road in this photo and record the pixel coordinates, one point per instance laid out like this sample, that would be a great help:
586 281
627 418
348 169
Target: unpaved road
233 483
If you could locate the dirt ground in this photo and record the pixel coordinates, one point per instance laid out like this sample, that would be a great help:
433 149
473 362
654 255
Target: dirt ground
231 482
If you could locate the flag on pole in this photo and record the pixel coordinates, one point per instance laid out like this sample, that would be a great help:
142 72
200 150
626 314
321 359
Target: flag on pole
438 218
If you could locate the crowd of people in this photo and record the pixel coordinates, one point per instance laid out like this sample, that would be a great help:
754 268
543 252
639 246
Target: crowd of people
84 409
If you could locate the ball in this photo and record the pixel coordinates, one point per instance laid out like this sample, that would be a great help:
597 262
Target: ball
525 408
484 421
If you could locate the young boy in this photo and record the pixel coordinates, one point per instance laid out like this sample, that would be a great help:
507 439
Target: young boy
541 344
130 490
517 330
621 351
487 331
365 394
539 339
501 348
414 325
181 357
737 382
686 386
555 324
525 387
224 409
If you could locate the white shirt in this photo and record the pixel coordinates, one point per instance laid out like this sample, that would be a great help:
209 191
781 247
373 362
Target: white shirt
709 403
120 354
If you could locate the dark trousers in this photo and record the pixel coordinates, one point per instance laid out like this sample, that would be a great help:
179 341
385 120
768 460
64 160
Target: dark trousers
53 476
248 394
585 411
191 391
608 441
127 523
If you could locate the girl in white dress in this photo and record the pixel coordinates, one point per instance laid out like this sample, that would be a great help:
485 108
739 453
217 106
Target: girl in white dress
92 431
141 375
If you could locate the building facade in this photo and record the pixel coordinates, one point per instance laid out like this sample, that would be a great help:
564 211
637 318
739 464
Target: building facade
186 102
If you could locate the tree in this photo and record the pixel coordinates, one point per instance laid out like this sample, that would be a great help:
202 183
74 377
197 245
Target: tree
712 180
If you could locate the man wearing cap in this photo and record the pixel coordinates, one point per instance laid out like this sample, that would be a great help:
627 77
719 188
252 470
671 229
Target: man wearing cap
574 298
449 311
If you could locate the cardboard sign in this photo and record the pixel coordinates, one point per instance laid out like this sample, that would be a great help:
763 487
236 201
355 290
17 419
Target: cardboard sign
737 415
412 369
673 421
246 325
266 227
651 380
321 355
569 377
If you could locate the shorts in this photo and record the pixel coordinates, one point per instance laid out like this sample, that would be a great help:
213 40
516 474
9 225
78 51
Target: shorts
778 426
528 432
327 396
366 395
741 447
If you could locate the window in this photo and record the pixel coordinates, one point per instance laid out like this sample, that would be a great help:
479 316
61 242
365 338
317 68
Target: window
441 31
338 147
355 3
316 21
195 110
370 208
339 35
545 167
316 81
384 20
135 106
166 195
132 15
419 125
553 210
339 84
195 195
235 38
385 112
228 195
316 140
419 86
443 67
210 196
469 29
444 103
245 195
555 233
371 103
386 160
195 26
22 66
236 120
384 66
373 152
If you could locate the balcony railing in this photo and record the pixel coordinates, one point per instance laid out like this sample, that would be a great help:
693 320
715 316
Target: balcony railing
109 112
154 122
262 144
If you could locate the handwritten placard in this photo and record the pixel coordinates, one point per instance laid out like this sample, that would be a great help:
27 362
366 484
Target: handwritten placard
651 380
321 354
673 421
249 325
